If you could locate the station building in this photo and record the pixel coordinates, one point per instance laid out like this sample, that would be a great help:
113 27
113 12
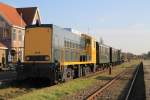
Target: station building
12 28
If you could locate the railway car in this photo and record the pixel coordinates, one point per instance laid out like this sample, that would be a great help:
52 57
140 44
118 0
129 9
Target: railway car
124 57
56 54
115 56
103 55
119 60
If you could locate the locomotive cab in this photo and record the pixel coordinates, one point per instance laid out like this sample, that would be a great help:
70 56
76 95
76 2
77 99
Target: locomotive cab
37 53
38 45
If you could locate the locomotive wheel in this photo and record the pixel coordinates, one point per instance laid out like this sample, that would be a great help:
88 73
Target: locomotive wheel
68 74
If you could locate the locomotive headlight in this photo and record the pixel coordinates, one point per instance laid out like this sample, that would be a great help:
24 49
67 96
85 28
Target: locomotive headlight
47 58
27 58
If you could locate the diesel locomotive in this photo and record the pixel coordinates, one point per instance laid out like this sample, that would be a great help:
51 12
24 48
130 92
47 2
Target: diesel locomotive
59 55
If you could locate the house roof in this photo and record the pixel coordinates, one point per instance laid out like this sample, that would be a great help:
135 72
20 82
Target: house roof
11 15
2 46
28 14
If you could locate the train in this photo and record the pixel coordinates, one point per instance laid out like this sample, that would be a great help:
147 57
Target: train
58 54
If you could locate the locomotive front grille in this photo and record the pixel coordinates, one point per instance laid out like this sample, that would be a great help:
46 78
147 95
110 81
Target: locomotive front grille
37 58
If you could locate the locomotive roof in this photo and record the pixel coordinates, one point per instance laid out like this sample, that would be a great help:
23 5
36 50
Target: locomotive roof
49 25
40 25
103 45
108 46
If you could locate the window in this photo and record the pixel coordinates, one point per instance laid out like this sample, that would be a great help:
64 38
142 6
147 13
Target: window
72 55
7 33
20 35
77 56
67 55
73 45
14 34
82 43
70 46
1 32
65 43
76 46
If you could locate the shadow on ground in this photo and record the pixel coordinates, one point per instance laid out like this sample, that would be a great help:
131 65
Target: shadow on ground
27 84
138 91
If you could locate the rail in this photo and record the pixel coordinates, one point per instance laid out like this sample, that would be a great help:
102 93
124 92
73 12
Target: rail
133 82
99 91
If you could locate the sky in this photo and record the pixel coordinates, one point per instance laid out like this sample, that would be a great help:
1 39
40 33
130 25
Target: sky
123 24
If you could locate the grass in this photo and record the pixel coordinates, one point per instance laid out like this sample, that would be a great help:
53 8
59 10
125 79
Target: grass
71 87
55 92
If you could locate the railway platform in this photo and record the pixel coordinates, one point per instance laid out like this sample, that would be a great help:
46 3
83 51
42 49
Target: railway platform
146 64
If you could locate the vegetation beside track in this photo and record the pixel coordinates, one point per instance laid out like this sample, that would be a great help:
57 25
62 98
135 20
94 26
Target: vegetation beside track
72 87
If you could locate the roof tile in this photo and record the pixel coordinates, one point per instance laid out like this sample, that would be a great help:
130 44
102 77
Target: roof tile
10 13
27 14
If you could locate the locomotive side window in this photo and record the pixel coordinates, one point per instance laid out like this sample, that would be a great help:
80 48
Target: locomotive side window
73 45
70 45
65 43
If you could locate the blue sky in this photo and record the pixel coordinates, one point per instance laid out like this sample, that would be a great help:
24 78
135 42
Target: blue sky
123 24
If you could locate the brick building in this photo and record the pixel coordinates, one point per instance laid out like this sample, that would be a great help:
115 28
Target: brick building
12 27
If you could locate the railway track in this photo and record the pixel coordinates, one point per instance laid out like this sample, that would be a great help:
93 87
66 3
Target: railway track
4 78
21 87
99 92
132 83
137 87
